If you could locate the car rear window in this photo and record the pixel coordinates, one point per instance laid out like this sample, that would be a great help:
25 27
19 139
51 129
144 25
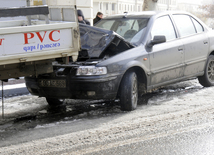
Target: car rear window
198 26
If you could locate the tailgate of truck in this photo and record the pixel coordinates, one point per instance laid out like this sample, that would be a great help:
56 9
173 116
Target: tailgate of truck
37 42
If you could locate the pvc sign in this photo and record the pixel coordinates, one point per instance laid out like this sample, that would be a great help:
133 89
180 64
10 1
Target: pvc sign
35 41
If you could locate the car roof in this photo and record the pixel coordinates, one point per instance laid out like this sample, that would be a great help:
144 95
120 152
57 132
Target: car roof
143 14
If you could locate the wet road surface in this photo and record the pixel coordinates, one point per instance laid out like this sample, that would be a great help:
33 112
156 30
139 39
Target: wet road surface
177 119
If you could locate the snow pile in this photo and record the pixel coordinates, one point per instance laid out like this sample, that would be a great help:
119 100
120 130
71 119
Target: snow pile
22 105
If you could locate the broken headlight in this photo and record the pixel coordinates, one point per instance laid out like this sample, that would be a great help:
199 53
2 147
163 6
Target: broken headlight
91 70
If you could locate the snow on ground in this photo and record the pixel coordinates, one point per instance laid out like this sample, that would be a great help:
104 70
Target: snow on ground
15 86
182 107
172 94
20 105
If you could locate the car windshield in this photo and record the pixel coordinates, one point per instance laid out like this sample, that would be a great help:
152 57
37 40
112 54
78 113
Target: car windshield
130 29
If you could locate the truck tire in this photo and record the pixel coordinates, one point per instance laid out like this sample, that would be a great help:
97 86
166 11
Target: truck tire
53 102
207 79
129 92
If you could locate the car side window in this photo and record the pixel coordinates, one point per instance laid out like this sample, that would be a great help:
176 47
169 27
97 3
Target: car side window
198 26
184 24
163 26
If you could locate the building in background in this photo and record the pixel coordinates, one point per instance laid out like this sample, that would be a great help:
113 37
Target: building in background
164 5
110 7
191 6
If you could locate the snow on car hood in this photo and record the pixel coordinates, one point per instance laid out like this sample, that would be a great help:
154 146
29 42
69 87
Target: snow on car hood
99 43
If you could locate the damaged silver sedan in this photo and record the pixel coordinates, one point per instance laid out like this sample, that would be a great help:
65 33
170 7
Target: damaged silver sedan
127 55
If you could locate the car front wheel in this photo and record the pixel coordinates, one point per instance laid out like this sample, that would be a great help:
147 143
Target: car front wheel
53 102
207 79
129 92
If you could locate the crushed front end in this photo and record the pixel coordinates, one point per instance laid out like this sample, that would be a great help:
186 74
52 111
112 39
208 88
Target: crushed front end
84 79
65 83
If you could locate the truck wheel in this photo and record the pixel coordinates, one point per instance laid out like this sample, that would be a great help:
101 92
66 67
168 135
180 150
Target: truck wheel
53 102
129 92
207 79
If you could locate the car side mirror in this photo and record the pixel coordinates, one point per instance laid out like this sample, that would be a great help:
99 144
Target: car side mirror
156 40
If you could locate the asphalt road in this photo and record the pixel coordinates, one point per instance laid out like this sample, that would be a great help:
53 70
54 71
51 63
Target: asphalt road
178 119
14 92
196 140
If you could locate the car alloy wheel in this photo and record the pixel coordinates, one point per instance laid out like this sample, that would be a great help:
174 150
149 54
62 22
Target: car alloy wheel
210 71
207 79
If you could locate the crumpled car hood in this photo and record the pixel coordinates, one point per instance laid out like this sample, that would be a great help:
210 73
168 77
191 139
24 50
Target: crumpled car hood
100 43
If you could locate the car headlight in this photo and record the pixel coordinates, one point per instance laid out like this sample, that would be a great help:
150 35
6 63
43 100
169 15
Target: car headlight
91 70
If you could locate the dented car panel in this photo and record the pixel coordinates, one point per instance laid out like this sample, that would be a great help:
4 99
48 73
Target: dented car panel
137 54
97 43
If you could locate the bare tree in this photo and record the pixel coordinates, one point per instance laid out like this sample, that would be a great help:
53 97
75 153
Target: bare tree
149 5
208 10
207 13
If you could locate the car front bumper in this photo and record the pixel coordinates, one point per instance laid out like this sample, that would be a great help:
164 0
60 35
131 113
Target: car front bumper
76 87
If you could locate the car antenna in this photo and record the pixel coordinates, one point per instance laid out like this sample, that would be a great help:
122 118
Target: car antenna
126 13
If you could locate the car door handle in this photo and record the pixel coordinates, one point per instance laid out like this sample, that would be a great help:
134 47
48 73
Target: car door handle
180 49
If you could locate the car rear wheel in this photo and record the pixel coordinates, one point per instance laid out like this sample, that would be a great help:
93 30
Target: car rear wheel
129 92
207 79
53 102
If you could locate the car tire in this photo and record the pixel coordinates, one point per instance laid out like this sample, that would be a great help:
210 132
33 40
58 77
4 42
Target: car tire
129 92
207 79
53 102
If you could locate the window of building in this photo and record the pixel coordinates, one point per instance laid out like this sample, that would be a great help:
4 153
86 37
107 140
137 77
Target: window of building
106 6
113 6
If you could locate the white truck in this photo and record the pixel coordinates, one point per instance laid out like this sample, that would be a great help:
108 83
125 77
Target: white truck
29 47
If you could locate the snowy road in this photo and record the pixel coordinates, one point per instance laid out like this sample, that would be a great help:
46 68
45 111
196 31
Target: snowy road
13 88
178 119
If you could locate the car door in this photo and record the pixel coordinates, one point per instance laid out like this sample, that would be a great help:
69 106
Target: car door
195 42
166 59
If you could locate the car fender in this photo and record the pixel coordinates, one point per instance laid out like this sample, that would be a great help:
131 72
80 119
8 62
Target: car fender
211 41
135 63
